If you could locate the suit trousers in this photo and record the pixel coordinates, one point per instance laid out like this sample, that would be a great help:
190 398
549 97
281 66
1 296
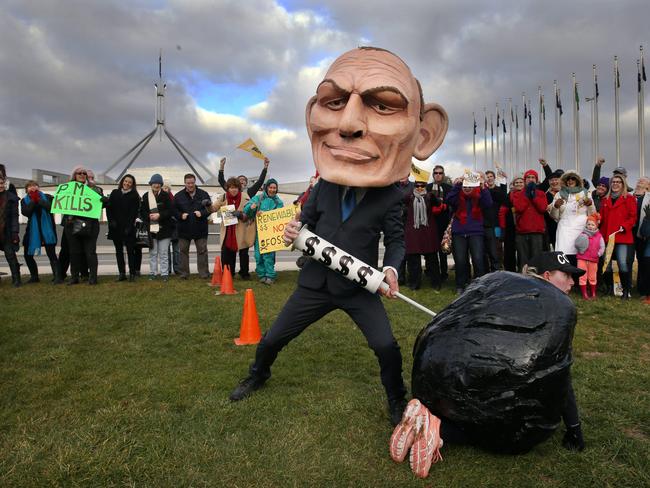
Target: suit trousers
306 306
201 257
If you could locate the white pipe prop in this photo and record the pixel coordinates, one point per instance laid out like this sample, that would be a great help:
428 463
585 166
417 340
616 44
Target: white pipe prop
346 265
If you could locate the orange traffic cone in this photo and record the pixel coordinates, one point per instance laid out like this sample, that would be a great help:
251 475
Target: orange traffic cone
216 274
226 283
249 332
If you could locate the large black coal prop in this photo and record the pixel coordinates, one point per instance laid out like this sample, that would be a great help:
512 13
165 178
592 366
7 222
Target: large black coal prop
496 362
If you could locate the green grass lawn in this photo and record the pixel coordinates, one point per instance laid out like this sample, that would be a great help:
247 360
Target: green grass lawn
127 384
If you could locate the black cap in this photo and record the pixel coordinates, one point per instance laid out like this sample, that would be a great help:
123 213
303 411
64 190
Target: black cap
554 261
557 173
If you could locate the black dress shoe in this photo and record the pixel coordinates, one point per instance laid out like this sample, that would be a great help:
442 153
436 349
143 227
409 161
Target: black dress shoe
73 281
396 410
121 277
34 279
246 388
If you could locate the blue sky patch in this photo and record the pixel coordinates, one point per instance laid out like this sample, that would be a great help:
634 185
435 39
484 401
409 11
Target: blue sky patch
229 98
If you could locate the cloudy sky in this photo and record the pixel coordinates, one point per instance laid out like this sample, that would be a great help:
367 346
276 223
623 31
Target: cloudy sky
76 76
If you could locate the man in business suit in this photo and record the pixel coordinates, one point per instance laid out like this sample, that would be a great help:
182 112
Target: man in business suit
366 121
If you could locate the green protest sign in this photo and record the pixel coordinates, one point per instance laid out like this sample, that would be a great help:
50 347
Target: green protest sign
74 198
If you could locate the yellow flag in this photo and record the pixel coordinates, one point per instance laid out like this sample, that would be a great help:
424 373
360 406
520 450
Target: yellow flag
249 146
420 174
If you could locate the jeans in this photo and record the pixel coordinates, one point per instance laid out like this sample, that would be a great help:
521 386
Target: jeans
624 255
159 249
461 247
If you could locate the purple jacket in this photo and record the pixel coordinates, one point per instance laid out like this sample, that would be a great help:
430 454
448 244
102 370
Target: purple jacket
472 226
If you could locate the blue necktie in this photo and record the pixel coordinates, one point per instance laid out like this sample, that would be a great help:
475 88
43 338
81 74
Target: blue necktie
349 202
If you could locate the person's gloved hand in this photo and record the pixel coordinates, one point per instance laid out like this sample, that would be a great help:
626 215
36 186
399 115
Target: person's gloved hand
34 196
238 214
498 232
573 440
15 238
530 190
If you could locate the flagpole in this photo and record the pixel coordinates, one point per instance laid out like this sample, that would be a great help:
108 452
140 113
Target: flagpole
497 132
638 106
643 80
485 160
503 122
561 158
516 166
543 128
576 123
593 131
512 147
491 140
525 148
556 119
530 132
539 121
616 114
595 107
474 139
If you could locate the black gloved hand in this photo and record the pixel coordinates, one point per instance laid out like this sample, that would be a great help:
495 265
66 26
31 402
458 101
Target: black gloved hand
238 214
573 440
206 202
530 190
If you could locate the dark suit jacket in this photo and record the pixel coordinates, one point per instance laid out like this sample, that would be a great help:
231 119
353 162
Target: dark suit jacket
379 211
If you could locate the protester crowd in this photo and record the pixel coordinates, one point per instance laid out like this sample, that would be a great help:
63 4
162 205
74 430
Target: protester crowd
484 221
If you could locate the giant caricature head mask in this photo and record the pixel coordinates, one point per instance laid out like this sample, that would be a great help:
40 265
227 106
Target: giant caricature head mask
368 120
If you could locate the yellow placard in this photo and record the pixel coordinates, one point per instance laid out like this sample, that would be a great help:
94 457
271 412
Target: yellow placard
249 146
270 228
420 174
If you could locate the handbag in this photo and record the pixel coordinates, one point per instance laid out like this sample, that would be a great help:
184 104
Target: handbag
81 228
142 236
445 243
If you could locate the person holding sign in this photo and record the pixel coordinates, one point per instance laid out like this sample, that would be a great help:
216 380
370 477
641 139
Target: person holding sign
81 207
237 231
267 200
366 121
251 192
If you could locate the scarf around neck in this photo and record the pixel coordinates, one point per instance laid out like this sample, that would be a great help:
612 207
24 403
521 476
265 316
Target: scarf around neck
565 191
41 229
461 212
420 218
230 241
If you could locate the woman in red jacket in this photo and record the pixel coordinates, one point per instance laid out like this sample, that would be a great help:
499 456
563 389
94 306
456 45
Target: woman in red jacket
618 212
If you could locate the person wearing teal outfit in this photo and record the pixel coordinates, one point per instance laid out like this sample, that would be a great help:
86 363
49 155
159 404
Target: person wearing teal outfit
265 201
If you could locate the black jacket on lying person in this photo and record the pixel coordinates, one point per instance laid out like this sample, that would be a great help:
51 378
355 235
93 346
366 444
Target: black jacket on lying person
192 227
165 211
379 210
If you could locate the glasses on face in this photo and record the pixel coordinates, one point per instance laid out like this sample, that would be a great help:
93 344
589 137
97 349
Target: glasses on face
81 173
438 172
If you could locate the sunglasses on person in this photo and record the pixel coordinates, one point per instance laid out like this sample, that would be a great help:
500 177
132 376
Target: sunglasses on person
438 172
81 173
420 185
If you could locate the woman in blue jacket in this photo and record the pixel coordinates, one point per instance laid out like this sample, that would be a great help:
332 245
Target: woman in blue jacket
265 201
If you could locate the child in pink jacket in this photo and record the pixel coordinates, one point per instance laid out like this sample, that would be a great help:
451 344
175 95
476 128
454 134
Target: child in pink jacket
590 245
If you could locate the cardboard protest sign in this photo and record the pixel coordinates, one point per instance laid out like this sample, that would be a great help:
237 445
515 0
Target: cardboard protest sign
249 146
74 198
270 227
227 216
